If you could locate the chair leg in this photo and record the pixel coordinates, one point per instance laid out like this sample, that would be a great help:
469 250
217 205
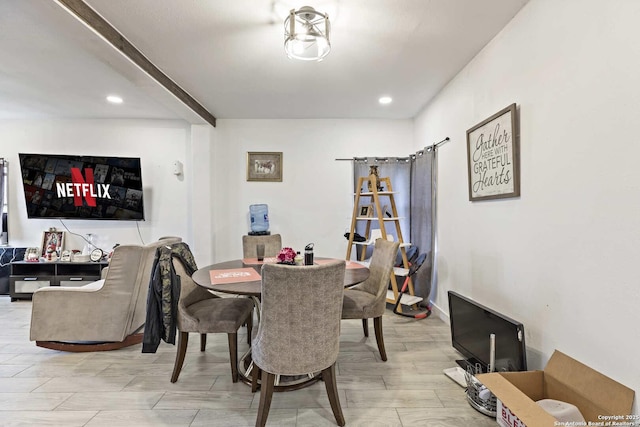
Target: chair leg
255 374
233 355
377 326
249 323
203 341
266 392
183 340
365 327
329 378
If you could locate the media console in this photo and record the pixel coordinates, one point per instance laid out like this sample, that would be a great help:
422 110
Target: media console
26 277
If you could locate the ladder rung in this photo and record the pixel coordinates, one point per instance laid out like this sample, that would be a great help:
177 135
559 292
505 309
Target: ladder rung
405 299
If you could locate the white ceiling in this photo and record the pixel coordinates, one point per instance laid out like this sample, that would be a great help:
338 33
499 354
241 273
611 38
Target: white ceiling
229 56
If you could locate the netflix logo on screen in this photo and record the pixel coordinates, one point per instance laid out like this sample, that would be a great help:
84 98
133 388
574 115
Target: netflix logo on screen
82 187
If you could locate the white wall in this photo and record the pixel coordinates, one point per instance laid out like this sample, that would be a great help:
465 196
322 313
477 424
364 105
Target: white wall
314 201
563 257
158 143
209 204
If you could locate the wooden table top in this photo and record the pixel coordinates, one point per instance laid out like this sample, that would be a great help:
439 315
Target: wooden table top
203 278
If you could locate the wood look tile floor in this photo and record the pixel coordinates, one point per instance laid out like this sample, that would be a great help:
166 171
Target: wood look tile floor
40 387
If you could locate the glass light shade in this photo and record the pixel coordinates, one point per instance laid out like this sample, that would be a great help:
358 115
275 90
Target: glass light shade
306 33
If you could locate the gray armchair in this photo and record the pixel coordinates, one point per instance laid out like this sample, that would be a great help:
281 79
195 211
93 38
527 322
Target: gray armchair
272 245
299 330
103 315
368 299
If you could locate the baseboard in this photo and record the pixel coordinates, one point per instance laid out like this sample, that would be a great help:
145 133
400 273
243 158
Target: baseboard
440 313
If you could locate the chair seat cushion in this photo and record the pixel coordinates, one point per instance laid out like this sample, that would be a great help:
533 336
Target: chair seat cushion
358 305
215 315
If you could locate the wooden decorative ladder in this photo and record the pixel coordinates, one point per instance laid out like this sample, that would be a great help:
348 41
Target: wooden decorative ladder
374 195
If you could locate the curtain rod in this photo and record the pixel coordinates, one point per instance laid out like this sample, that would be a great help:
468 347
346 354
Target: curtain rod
436 145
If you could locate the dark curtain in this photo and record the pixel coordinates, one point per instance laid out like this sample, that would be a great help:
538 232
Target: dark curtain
2 178
422 217
4 206
412 179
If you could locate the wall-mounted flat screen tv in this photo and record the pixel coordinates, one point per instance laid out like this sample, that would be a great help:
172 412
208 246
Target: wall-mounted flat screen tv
82 187
471 327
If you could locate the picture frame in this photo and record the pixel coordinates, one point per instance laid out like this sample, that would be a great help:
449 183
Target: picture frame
366 211
493 156
264 166
50 238
65 255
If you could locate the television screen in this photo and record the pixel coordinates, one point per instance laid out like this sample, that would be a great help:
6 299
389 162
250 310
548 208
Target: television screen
82 187
471 327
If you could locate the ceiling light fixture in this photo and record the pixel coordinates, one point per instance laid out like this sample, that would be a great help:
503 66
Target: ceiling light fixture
385 100
114 99
306 33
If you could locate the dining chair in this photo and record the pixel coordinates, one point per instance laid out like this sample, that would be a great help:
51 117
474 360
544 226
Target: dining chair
272 245
299 330
202 312
367 299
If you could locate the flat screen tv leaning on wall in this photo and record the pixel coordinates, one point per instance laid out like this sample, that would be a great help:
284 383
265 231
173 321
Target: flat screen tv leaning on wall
82 187
471 327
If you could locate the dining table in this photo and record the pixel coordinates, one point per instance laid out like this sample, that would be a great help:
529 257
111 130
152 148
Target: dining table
235 276
241 277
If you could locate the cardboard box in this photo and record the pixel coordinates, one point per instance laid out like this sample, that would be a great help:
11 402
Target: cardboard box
564 379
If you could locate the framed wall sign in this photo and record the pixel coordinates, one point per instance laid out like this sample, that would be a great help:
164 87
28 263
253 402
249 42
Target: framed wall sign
265 166
493 157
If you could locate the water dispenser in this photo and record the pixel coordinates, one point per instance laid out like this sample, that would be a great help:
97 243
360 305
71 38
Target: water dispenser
259 219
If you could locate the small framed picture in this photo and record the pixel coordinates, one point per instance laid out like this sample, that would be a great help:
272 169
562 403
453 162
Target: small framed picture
366 211
264 166
65 256
52 244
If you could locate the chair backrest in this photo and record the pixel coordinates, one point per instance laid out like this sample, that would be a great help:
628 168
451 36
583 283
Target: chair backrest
380 268
299 329
272 245
190 293
128 275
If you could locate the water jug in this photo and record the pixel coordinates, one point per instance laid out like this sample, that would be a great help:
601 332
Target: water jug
259 217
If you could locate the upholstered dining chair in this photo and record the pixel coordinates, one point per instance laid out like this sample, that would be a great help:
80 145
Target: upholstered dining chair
368 299
202 312
272 245
299 330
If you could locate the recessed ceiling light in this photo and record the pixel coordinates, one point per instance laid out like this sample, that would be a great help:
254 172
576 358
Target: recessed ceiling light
114 99
385 100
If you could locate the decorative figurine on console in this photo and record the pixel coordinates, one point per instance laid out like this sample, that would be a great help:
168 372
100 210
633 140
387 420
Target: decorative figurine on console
52 253
32 254
373 170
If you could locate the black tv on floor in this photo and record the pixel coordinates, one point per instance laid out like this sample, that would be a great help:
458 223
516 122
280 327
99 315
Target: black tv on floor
472 325
82 187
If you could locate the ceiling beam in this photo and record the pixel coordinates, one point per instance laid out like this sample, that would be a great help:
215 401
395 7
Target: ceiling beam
90 17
